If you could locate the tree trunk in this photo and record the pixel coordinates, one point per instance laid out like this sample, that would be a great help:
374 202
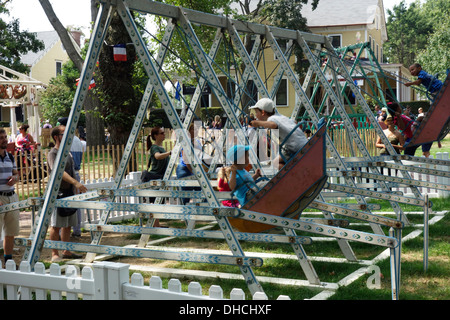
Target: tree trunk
95 127
120 102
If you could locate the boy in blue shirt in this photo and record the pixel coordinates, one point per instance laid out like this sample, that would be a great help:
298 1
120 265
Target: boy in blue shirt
241 181
432 84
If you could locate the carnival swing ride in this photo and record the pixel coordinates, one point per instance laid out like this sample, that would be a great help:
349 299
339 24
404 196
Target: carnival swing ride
275 214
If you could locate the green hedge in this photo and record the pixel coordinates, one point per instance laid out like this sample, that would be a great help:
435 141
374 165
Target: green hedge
158 118
415 105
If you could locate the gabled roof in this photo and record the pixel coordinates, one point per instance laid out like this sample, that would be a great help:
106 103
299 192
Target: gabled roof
50 38
333 13
341 12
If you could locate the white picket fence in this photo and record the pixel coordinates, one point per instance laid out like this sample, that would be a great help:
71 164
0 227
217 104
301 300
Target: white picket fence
102 281
404 190
431 192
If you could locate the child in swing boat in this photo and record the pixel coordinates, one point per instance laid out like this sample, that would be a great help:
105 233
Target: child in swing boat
432 84
223 177
241 181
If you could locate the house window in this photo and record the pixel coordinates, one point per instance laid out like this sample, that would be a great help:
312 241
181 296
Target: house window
336 40
58 68
282 97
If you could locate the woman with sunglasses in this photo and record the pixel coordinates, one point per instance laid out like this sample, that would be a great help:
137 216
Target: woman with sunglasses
159 157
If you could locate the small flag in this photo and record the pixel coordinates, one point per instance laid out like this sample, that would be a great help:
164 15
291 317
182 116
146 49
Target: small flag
91 85
120 52
178 90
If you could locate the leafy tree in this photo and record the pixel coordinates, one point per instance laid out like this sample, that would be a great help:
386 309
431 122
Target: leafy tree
179 46
57 99
118 98
435 57
408 30
14 42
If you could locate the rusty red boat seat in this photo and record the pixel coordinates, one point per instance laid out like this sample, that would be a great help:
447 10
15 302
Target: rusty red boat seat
436 123
292 189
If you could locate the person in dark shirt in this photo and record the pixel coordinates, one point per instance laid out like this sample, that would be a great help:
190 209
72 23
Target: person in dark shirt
432 84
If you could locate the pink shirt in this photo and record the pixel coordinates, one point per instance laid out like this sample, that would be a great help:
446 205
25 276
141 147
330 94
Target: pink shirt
408 123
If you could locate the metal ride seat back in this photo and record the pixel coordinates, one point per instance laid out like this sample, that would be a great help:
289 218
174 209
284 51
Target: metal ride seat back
292 189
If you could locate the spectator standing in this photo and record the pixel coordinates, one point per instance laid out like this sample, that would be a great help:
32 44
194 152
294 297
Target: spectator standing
394 136
68 183
184 168
217 123
77 155
24 140
47 125
83 142
9 221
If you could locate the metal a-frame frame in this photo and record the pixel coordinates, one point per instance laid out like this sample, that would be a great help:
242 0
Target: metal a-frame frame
184 18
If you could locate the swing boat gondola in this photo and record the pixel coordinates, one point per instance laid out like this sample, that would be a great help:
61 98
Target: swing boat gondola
436 123
292 189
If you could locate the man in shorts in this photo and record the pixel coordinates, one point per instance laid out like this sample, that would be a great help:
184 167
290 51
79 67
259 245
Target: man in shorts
61 225
9 221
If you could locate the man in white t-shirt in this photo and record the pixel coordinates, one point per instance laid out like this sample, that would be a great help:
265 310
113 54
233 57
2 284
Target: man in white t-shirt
266 118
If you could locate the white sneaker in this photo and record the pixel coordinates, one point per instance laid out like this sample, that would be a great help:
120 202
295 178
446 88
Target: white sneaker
56 259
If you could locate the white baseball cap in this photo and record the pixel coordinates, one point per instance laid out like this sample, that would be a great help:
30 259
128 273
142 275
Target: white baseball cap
265 104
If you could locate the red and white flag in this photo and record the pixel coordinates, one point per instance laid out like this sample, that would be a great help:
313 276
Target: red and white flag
91 85
120 52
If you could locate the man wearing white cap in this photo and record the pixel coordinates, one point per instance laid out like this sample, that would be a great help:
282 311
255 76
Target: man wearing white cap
266 118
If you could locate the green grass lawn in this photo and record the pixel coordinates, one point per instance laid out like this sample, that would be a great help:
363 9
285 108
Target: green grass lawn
416 284
445 143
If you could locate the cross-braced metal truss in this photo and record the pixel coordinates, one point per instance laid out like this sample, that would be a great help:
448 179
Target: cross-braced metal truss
207 71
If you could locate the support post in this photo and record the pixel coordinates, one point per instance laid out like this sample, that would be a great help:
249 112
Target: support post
395 263
426 233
